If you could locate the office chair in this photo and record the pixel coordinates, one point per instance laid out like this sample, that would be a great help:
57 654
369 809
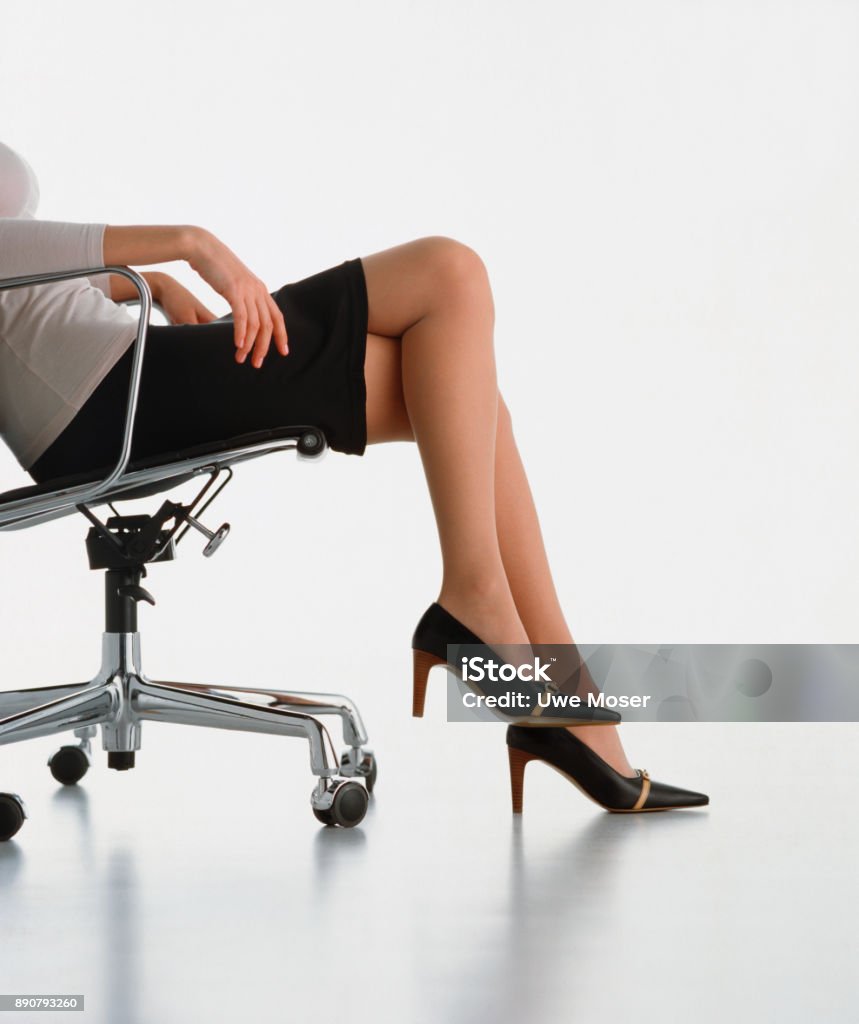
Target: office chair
119 698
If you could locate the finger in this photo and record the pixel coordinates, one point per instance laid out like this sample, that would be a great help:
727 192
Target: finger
253 329
263 341
240 321
261 351
281 340
251 332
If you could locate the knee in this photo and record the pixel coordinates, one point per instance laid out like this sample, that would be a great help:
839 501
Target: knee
456 266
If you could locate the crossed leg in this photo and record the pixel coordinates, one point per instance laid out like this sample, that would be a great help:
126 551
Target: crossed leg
430 374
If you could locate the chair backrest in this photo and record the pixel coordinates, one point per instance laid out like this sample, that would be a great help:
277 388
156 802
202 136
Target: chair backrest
33 508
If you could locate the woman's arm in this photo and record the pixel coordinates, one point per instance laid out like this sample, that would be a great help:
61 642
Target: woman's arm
30 246
256 316
147 243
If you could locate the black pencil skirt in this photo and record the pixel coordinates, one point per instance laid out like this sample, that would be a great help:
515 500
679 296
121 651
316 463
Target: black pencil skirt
192 391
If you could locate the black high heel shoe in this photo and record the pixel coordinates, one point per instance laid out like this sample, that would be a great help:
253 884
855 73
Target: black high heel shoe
438 628
564 752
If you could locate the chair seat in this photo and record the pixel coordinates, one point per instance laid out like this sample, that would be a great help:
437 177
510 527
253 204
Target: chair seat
167 459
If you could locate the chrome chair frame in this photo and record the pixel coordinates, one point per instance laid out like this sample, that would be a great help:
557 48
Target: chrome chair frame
120 697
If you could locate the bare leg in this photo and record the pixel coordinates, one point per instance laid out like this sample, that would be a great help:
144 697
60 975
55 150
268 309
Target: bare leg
393 409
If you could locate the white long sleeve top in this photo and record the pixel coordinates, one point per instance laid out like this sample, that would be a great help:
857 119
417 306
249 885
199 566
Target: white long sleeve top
59 340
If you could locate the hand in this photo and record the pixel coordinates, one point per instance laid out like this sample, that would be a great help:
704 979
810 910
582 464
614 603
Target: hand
180 306
256 316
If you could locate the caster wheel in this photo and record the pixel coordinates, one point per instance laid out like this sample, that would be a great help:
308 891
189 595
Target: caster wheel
323 816
348 808
12 815
69 765
350 805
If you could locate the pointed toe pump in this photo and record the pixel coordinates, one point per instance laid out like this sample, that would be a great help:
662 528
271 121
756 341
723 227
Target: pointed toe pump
437 629
575 760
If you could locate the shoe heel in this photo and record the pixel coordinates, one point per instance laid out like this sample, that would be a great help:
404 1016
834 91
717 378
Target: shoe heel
423 661
518 759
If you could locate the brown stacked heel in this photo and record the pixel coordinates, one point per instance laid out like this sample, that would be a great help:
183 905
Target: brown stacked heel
518 759
422 662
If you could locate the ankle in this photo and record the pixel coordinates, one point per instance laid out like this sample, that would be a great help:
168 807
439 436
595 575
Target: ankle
475 590
486 607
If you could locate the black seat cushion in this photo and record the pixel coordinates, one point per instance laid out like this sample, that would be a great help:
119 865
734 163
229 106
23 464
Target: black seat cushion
222 448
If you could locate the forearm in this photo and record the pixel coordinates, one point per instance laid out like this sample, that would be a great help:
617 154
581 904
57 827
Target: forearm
143 244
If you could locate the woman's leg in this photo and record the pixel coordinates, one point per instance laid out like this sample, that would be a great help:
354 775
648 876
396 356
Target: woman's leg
394 280
434 295
530 577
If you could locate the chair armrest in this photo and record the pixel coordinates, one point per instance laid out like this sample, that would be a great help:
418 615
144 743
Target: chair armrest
27 508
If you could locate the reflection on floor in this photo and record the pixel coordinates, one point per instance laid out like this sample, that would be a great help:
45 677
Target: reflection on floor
199 887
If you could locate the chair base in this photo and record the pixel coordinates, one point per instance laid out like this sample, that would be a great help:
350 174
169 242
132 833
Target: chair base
120 698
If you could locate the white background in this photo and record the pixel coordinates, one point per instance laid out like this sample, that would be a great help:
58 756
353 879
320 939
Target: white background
665 197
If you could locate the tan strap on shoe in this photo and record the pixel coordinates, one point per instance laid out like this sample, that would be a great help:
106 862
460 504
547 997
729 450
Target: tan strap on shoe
539 709
645 790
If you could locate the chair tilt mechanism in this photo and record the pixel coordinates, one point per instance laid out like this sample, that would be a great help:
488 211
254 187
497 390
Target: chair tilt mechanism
120 697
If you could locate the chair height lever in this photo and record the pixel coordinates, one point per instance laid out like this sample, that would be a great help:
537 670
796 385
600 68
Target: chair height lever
135 592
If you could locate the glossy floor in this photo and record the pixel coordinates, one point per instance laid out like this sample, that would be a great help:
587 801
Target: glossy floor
198 887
